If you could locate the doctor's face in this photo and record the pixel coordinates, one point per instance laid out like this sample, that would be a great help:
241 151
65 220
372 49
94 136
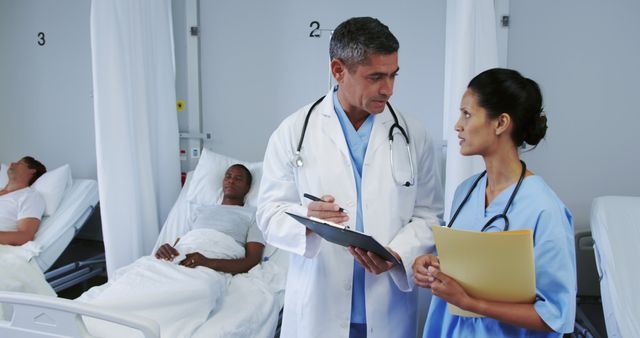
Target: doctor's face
475 129
366 88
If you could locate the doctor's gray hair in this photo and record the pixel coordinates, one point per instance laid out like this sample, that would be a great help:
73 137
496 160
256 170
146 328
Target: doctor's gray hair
353 40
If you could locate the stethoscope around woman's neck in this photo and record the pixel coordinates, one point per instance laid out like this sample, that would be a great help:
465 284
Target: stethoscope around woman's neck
503 215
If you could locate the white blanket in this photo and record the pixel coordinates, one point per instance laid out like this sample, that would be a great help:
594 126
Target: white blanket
250 307
19 273
179 299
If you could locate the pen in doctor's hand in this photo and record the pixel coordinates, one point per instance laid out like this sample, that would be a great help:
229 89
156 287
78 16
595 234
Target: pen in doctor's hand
317 199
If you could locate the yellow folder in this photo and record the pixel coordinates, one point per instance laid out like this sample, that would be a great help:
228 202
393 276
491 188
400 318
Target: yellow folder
495 266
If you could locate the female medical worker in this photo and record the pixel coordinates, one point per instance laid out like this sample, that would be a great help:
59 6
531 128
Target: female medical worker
500 111
320 281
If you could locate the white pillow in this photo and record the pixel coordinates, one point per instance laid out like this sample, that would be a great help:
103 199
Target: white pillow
205 187
52 186
3 175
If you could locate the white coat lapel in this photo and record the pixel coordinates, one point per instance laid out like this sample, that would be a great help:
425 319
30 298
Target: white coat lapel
379 132
331 125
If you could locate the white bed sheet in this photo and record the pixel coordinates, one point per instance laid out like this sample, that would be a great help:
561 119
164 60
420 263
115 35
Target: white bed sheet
252 303
615 228
19 274
178 298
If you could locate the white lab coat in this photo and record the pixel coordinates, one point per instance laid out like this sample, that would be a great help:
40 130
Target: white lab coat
320 277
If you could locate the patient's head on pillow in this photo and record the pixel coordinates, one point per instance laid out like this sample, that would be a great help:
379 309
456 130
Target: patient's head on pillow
236 184
205 185
36 166
25 171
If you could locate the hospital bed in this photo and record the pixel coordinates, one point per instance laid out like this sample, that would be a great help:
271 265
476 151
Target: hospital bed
251 306
589 322
37 316
68 204
615 227
59 229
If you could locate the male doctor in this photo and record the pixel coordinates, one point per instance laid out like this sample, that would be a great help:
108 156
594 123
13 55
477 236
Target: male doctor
333 291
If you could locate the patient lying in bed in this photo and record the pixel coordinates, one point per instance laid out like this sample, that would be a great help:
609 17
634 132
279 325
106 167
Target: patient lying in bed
21 207
239 223
180 285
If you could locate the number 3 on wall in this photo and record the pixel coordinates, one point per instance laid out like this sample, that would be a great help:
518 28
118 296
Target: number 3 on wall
41 40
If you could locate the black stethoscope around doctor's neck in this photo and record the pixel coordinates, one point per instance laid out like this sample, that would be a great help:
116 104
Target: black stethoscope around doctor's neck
298 162
503 215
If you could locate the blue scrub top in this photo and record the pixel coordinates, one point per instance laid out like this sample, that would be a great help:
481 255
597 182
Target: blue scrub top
357 142
535 207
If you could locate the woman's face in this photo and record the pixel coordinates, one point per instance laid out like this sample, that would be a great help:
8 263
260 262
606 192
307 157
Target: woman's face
476 130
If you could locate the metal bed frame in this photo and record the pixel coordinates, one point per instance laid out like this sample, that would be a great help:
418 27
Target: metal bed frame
77 272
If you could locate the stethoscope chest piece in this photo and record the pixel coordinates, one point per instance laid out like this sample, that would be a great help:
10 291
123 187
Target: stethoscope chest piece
296 160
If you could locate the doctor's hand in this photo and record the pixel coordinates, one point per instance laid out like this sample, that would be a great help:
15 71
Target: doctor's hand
421 275
167 252
327 209
372 262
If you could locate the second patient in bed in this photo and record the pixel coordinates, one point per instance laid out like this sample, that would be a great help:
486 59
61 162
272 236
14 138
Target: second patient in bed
21 207
231 218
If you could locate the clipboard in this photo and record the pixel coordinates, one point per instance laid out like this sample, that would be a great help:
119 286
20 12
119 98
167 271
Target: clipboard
342 235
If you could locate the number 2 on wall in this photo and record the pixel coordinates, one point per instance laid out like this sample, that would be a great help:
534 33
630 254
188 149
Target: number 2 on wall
315 32
41 40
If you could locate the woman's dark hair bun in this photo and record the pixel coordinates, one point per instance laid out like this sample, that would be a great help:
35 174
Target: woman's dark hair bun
536 131
501 91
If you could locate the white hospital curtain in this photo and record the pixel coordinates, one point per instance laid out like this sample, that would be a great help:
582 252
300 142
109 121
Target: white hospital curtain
136 123
470 48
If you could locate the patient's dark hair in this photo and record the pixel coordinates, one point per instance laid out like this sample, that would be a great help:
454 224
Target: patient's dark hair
502 90
246 171
34 164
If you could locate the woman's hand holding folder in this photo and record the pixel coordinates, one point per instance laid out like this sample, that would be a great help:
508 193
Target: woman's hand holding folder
421 275
427 274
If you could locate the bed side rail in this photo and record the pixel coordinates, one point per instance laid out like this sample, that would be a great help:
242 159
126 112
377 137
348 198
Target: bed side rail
37 316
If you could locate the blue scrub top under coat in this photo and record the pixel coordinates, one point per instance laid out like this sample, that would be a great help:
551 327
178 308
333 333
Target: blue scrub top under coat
357 141
535 207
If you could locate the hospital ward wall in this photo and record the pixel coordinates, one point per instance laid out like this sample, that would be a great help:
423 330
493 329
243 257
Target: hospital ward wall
46 104
259 63
584 54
